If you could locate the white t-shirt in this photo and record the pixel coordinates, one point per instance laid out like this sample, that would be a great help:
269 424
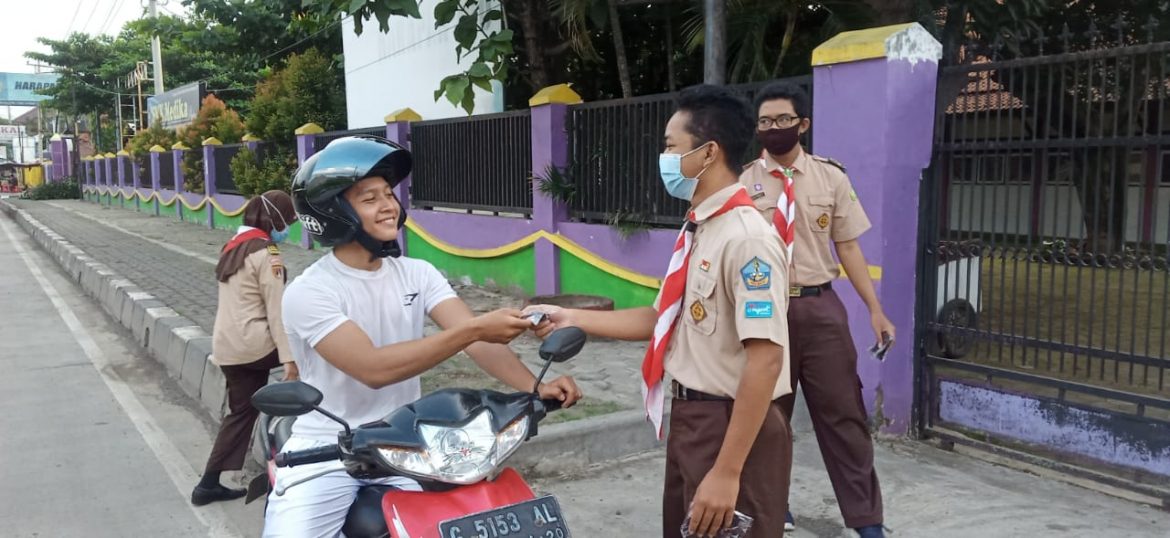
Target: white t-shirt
389 304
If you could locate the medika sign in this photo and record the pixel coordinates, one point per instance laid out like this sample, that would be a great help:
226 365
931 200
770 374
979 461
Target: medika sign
22 89
177 107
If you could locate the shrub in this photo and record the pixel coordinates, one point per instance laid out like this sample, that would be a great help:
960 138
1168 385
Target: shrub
253 177
139 146
61 190
214 119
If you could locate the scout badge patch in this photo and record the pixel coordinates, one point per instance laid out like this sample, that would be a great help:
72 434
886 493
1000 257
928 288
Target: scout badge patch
823 221
698 313
757 275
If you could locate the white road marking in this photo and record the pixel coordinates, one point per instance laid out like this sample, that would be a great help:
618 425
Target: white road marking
163 244
182 475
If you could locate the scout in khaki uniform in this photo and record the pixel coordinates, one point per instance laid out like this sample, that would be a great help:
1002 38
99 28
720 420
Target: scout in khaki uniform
718 328
248 339
811 203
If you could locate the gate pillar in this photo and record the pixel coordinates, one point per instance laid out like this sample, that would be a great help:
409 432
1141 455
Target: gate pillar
874 111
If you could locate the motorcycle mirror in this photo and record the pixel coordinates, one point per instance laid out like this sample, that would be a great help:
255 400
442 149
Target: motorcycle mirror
562 344
287 399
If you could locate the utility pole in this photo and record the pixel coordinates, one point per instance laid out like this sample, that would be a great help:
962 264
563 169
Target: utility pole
156 51
118 107
714 41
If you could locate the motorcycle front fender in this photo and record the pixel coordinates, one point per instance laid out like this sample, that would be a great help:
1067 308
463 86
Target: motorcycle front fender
417 514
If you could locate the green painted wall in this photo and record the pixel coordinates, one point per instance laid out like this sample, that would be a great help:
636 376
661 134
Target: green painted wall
579 277
517 269
294 235
223 222
197 217
168 210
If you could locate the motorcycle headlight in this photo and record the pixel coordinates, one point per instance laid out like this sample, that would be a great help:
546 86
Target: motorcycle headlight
459 454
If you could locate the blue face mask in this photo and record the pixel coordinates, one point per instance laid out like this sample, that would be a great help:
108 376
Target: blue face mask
279 236
677 184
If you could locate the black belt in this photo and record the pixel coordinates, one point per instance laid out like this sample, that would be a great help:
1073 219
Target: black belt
682 393
809 291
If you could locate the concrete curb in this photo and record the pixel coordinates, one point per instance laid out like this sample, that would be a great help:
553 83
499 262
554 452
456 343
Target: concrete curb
180 344
184 348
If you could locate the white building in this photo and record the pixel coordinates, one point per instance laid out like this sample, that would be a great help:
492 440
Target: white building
402 68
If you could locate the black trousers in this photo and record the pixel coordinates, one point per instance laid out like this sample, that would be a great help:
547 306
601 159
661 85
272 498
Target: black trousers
231 443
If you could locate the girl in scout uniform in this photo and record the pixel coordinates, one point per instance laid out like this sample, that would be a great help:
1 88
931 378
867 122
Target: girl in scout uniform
248 339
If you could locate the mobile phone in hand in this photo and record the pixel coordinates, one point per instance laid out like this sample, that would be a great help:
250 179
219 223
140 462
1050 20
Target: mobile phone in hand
740 525
537 318
879 350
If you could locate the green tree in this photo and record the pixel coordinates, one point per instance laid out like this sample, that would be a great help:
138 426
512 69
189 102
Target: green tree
306 90
214 119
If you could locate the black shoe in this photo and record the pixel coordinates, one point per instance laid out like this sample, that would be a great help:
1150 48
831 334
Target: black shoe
219 492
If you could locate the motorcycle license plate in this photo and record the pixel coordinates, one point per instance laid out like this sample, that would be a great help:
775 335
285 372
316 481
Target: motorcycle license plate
537 518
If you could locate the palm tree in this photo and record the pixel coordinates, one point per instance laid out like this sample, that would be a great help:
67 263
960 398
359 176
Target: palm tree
760 33
581 18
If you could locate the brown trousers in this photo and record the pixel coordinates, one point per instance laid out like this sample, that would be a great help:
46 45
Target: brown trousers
231 443
824 365
697 429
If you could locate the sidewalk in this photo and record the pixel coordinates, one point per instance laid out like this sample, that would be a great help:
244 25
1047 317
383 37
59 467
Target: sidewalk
928 492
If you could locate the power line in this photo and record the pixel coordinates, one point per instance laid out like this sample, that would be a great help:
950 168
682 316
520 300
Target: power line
90 17
76 10
308 37
110 16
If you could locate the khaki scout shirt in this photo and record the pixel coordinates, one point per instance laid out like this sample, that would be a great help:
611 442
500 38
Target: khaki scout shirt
736 290
826 209
247 320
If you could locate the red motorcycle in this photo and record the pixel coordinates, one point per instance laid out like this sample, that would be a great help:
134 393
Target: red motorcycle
453 442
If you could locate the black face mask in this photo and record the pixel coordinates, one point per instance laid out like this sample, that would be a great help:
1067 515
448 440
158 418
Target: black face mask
779 141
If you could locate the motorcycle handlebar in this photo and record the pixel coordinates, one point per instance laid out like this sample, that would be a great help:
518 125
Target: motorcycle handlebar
305 457
551 405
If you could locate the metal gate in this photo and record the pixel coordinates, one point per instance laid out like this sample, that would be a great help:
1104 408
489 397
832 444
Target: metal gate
1043 315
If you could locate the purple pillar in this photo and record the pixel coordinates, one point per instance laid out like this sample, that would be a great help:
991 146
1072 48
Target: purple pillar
306 138
550 147
109 162
86 172
209 146
58 156
136 182
69 171
885 92
177 157
398 130
121 171
155 180
96 171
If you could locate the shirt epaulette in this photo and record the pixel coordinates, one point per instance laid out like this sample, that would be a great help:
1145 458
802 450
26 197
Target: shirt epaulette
831 161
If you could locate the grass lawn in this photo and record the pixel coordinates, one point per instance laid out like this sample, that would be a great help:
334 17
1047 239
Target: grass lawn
1121 310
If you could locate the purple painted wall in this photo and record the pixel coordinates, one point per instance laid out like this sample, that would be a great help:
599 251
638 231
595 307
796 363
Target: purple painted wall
1141 444
192 198
473 231
646 253
230 202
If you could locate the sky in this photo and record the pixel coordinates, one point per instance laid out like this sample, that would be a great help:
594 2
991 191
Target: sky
23 21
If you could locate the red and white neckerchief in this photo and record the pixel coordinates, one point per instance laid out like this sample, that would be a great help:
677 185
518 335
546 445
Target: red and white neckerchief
670 299
784 219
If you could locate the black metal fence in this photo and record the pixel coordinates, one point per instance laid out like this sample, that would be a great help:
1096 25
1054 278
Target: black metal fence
323 139
479 163
1047 221
224 183
614 147
166 170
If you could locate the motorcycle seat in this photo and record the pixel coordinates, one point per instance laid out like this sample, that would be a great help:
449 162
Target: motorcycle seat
365 518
